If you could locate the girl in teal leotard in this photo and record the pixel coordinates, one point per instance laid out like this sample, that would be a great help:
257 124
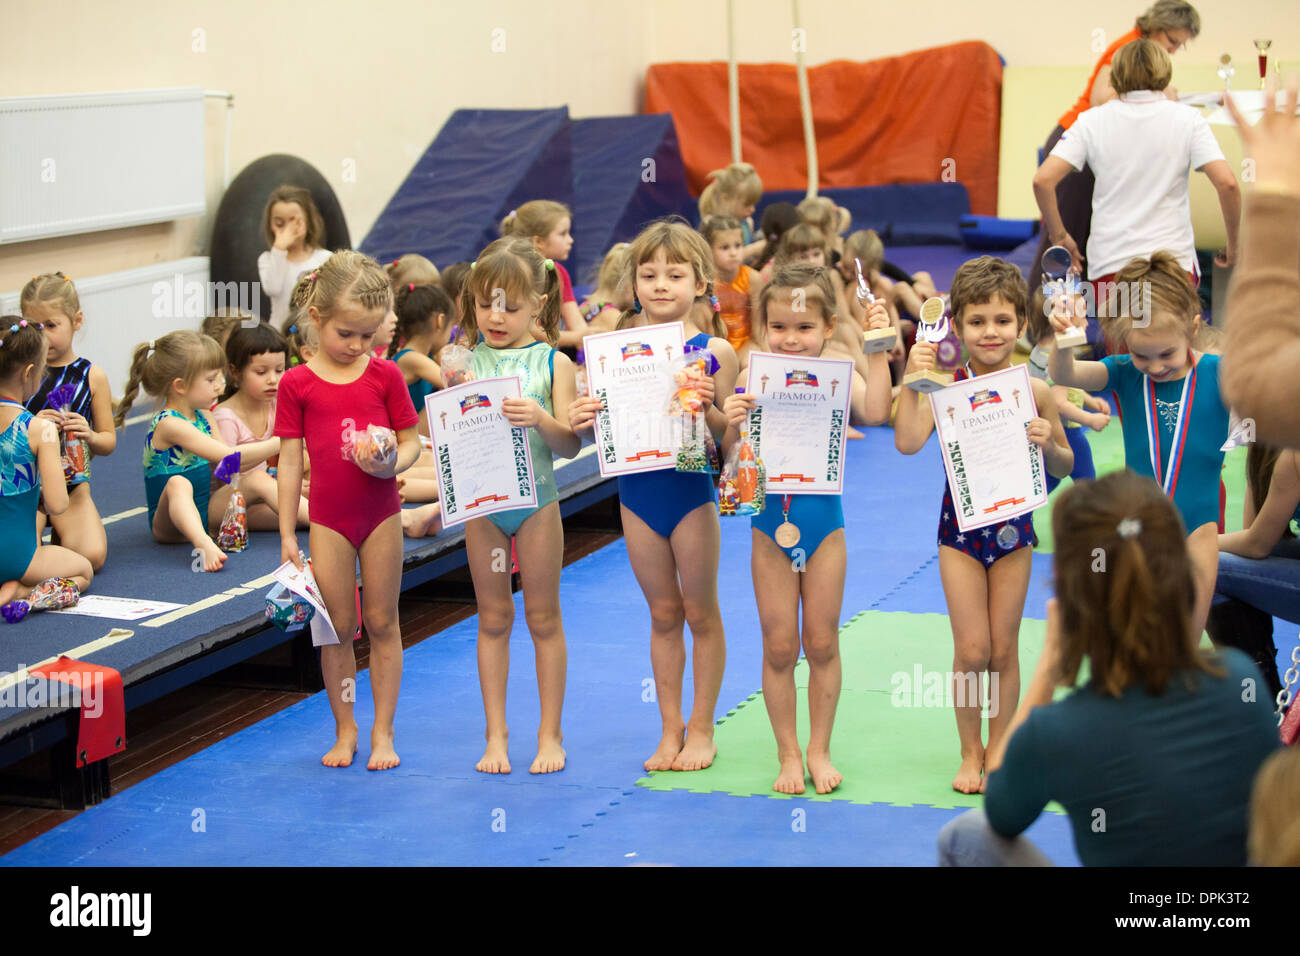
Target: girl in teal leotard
511 287
812 570
29 463
186 371
669 517
1174 419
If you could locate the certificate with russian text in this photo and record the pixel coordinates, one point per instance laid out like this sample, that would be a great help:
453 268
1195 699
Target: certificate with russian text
627 370
483 462
798 424
994 470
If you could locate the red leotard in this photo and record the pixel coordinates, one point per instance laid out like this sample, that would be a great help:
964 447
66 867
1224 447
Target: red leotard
342 497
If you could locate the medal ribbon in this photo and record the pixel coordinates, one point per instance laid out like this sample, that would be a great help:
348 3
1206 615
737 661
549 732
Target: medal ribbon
785 508
1167 472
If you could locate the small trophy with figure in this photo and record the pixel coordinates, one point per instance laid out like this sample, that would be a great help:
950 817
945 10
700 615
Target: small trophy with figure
1261 47
933 328
1226 70
1062 282
873 340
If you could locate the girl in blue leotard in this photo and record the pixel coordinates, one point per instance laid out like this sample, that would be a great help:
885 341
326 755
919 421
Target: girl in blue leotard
985 572
1174 419
812 570
669 517
509 288
29 463
185 370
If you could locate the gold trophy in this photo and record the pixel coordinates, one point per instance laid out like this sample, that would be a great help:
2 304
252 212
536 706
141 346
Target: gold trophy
873 340
1060 281
933 328
1226 70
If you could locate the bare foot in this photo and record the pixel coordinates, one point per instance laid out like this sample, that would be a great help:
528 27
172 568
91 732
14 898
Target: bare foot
213 557
9 591
550 757
340 755
968 778
495 759
669 747
824 775
422 522
852 432
790 780
698 752
382 754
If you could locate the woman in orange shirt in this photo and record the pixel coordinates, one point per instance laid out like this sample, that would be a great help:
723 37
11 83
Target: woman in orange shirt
1171 23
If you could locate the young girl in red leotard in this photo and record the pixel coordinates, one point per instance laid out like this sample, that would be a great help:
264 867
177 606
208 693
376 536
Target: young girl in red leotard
354 506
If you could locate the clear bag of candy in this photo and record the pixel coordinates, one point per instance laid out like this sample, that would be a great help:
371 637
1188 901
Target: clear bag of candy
375 445
457 363
697 451
742 489
233 536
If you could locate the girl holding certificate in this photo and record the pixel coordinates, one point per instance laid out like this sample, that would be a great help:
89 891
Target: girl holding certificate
985 574
797 310
509 287
669 517
1175 420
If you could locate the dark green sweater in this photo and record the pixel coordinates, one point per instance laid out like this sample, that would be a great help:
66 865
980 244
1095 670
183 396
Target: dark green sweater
1161 781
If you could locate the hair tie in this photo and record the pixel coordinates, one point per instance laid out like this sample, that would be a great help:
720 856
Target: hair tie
713 301
636 306
513 213
311 277
410 287
1129 528
550 265
473 264
293 330
67 278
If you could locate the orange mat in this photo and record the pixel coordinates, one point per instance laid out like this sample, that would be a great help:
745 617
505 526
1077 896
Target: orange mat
877 123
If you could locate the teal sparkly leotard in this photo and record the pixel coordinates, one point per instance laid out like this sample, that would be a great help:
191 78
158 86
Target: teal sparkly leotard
161 464
534 364
20 491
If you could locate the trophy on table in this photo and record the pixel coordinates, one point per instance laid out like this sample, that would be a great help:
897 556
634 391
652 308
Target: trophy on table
1226 70
933 328
1262 46
1060 281
873 340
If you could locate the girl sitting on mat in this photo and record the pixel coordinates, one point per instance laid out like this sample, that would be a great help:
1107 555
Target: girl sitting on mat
670 519
256 356
611 296
513 274
1153 758
32 575
185 371
546 225
985 572
782 582
353 501
1174 419
86 426
734 192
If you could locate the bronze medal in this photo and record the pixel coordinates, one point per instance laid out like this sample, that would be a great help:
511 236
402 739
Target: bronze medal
787 535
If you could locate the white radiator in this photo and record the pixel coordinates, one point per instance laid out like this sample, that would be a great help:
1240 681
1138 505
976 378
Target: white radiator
123 309
89 161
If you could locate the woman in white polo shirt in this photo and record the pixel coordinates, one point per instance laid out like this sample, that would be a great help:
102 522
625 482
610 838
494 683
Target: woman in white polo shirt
1141 147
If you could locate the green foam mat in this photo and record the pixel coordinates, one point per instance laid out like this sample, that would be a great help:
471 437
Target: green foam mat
1108 455
893 743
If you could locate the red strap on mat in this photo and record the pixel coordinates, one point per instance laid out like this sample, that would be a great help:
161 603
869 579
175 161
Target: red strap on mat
98 690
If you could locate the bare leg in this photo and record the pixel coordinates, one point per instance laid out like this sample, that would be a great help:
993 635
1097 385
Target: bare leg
656 572
1008 583
823 596
776 592
381 579
696 542
80 528
540 544
334 564
1203 549
965 587
489 566
177 519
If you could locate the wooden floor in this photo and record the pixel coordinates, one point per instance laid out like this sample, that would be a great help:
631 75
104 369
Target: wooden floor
183 723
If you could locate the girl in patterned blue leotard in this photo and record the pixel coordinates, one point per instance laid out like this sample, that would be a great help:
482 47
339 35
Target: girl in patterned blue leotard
985 575
811 571
669 518
510 290
30 461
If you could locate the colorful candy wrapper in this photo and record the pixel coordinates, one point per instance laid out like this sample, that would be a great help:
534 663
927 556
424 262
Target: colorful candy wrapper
457 364
743 487
697 451
50 595
233 536
286 610
377 444
74 451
